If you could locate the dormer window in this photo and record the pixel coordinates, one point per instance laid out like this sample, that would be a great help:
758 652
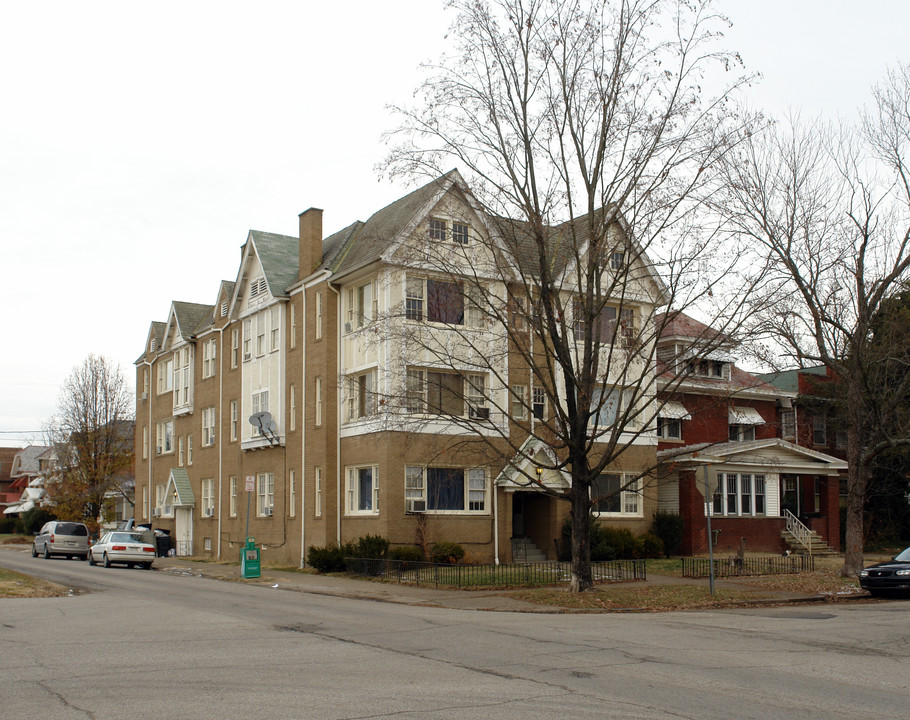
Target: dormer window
709 368
617 260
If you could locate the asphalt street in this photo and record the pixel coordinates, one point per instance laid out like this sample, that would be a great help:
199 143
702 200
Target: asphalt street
171 644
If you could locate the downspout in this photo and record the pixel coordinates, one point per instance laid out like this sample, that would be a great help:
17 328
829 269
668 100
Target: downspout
303 433
338 402
149 431
220 432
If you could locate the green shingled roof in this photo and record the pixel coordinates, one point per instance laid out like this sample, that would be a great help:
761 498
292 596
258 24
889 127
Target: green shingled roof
280 259
789 379
366 243
181 481
190 317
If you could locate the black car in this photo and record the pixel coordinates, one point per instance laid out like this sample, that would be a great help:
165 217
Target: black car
892 576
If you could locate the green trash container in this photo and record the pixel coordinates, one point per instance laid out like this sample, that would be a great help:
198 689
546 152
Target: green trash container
249 559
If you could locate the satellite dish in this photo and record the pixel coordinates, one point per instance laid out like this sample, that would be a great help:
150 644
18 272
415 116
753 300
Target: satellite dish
266 425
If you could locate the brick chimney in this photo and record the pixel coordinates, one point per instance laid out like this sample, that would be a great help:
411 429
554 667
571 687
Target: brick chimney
310 242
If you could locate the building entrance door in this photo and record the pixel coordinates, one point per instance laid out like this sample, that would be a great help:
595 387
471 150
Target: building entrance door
183 521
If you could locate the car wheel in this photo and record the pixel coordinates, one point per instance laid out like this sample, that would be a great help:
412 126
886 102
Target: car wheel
147 566
34 550
47 552
91 559
130 565
107 561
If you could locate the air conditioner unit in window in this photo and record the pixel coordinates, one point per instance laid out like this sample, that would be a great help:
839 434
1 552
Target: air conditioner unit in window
480 413
415 506
208 512
267 512
144 396
348 327
156 512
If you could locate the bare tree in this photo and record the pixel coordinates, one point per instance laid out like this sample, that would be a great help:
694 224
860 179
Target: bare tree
590 149
92 434
829 211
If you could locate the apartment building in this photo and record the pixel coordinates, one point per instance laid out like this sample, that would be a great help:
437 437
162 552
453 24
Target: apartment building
352 384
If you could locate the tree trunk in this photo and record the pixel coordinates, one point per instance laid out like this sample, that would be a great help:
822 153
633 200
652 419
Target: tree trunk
856 497
581 537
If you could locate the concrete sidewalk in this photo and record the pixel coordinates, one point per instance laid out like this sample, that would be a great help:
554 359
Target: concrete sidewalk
490 600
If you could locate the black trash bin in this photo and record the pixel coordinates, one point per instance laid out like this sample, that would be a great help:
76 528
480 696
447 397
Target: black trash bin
163 542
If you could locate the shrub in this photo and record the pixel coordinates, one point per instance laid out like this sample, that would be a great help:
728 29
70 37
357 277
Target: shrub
371 546
610 543
446 552
32 520
326 559
407 553
668 526
8 526
651 546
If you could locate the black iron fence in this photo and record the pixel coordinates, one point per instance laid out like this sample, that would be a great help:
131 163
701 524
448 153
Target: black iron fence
736 566
466 576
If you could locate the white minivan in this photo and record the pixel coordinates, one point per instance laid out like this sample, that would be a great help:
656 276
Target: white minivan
61 538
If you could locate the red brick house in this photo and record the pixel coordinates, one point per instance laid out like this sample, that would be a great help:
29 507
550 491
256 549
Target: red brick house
730 436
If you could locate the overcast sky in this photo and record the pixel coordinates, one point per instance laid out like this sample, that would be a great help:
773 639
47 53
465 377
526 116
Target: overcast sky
140 142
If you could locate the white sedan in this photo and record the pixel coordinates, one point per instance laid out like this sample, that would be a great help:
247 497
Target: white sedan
122 547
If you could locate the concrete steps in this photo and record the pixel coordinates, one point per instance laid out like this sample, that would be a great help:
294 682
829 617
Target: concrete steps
819 546
525 551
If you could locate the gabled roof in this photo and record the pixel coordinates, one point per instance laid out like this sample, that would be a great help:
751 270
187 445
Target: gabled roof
515 474
362 243
279 256
685 327
179 480
772 454
190 317
26 460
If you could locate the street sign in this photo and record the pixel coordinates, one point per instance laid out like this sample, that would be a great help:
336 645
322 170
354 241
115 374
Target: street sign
250 483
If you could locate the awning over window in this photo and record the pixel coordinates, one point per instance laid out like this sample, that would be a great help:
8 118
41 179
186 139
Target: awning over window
674 411
745 416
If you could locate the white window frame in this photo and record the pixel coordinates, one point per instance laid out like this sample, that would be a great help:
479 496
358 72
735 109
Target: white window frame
630 498
208 496
145 502
165 375
265 493
209 354
788 425
318 328
361 395
259 402
362 301
274 328
247 339
234 420
476 489
292 407
189 449
736 490
519 408
183 377
232 507
539 403
292 493
618 402
819 425
669 428
317 487
292 334
318 402
145 442
180 451
355 502
208 426
741 433
261 333
165 437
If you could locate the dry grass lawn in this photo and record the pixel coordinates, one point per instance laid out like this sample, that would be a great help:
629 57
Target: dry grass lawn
16 585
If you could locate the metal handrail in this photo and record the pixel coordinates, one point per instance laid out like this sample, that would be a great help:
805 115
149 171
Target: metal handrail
798 530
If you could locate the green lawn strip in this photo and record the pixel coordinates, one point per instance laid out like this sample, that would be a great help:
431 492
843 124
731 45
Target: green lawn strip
17 585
